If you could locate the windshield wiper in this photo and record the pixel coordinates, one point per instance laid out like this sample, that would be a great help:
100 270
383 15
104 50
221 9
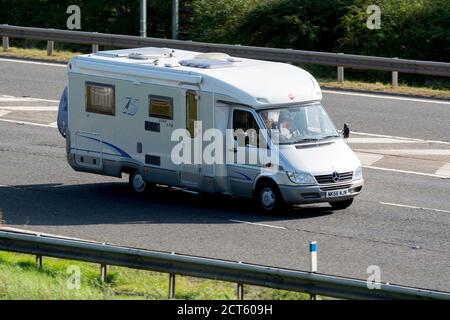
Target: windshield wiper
331 136
306 140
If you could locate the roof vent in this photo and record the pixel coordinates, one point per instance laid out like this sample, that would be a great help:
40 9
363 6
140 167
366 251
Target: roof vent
139 54
213 56
172 65
147 56
206 64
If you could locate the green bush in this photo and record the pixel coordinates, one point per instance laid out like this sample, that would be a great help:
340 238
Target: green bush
411 29
297 24
99 15
217 20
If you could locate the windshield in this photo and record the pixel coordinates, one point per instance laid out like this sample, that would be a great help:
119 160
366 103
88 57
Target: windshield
297 124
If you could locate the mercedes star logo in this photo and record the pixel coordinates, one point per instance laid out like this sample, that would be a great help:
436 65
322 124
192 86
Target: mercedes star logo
335 177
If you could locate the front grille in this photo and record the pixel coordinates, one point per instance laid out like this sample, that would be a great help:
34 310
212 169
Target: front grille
342 186
327 178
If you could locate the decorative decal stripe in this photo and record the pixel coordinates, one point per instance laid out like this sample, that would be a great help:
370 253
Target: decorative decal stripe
120 151
243 176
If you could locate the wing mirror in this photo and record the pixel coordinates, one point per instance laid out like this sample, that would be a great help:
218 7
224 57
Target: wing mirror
346 131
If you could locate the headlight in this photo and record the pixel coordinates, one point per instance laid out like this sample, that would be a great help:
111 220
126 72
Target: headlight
301 178
358 174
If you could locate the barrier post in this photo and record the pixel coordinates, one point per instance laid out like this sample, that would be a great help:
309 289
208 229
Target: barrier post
50 48
103 272
39 262
171 286
395 78
340 72
5 43
313 260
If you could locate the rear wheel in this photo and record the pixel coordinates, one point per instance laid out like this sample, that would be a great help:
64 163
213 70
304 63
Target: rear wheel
268 197
341 205
137 182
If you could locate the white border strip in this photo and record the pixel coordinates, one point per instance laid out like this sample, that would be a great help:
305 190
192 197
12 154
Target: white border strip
4 98
399 138
51 235
34 109
29 123
408 172
33 62
258 224
380 96
413 207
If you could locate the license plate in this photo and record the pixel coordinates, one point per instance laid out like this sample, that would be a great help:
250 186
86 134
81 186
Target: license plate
337 193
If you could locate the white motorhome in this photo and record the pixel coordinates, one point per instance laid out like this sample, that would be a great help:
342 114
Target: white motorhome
122 108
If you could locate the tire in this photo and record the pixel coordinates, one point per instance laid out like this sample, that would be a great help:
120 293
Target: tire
341 205
268 198
137 183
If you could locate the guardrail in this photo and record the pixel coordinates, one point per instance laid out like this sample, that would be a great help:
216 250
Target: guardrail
339 60
176 264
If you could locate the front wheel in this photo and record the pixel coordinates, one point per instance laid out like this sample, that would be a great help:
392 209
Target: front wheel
341 205
137 182
268 198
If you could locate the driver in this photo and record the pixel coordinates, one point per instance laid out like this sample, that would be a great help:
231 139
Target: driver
286 124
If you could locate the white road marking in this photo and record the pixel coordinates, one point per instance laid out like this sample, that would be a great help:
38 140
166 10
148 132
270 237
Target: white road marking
408 172
386 97
50 235
409 152
379 140
4 113
24 99
21 108
34 62
444 170
29 123
400 138
368 159
413 207
258 224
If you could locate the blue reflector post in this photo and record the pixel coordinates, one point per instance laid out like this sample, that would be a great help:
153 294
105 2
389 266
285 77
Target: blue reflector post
313 246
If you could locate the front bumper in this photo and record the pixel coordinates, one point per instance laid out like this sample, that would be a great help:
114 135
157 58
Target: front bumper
318 193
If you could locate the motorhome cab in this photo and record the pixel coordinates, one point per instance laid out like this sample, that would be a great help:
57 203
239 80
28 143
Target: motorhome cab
124 110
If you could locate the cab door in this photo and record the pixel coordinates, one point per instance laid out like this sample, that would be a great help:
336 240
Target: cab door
247 165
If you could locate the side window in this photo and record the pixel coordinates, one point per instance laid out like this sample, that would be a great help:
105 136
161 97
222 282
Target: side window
245 127
160 107
191 112
100 98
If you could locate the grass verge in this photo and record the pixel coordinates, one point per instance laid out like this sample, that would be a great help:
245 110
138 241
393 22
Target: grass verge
38 54
444 92
21 280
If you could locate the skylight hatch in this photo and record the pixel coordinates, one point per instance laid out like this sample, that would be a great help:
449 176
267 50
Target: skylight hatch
206 63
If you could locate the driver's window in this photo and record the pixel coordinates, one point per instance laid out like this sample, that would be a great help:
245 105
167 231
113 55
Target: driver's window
245 127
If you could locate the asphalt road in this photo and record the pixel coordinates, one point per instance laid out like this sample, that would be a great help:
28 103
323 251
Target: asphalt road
45 81
400 222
